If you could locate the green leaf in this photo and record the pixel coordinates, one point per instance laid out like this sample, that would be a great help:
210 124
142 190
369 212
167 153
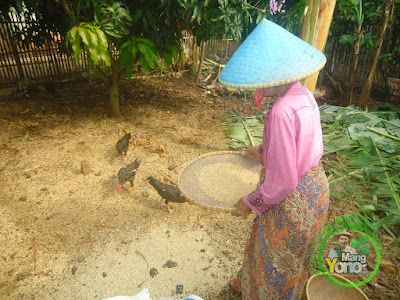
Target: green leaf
113 33
367 207
364 249
388 220
126 44
93 37
363 240
84 34
130 62
355 2
149 55
174 51
105 56
94 55
168 59
146 41
123 57
143 62
75 33
102 37
355 244
76 47
134 51
68 37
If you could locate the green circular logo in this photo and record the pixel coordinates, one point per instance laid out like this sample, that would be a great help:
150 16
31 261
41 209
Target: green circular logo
369 235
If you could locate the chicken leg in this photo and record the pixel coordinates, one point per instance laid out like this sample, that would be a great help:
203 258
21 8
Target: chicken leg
169 209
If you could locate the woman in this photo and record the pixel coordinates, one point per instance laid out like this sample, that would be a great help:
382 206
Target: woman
291 201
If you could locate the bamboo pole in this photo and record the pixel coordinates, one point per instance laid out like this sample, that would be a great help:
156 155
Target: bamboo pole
322 22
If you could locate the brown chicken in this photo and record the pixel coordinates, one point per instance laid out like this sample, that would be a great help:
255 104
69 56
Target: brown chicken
128 173
168 192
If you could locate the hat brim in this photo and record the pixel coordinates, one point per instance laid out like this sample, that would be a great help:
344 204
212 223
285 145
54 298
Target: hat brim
271 56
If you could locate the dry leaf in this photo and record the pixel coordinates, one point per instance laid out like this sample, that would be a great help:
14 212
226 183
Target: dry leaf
26 136
138 253
169 179
388 267
340 189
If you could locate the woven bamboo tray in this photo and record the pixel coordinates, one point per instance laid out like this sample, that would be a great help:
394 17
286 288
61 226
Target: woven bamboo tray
189 184
319 288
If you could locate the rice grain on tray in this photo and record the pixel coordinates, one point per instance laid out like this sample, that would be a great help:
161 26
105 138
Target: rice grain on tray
227 182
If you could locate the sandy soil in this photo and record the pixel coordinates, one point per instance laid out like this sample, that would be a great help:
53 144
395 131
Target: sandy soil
65 235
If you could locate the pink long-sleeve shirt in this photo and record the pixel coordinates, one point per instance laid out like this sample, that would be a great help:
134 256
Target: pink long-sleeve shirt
292 145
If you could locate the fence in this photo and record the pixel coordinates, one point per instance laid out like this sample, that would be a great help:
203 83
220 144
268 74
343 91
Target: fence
19 60
339 64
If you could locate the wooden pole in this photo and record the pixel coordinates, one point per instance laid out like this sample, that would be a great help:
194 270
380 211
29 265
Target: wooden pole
202 47
321 29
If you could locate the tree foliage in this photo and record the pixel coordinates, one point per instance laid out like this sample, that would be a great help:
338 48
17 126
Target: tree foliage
119 35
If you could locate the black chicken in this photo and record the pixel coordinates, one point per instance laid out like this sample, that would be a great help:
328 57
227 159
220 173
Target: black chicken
128 173
168 192
123 144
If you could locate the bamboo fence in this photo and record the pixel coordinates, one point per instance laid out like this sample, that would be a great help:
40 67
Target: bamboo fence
52 63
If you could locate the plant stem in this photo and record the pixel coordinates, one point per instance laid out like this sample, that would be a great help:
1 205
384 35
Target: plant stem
344 176
248 133
384 134
253 7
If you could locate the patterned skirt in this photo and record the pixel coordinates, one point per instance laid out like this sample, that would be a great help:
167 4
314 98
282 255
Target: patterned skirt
277 252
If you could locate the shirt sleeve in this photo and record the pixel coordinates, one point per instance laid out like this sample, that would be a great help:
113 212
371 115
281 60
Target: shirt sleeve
280 165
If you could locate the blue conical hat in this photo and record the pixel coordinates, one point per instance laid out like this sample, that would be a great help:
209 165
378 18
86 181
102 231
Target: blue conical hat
271 56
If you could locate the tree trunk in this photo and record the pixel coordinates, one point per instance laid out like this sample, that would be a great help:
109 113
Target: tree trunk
316 31
366 89
200 63
356 51
114 90
11 40
307 31
195 55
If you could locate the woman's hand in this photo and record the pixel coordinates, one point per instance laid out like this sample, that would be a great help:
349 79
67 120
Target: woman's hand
252 151
241 209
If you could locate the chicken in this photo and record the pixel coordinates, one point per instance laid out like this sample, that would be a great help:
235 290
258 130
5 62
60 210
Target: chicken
168 192
123 144
128 173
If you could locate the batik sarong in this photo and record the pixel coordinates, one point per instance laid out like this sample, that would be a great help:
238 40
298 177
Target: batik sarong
277 252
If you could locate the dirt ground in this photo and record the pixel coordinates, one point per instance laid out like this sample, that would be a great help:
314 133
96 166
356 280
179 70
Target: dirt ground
65 235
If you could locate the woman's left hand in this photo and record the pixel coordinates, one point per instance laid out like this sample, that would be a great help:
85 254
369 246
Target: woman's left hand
241 209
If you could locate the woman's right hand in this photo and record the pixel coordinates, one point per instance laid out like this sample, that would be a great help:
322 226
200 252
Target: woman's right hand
241 209
252 151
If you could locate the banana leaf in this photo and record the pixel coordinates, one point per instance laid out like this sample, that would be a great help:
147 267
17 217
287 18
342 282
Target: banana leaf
366 145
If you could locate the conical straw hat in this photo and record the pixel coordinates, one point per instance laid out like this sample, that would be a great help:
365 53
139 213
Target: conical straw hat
271 56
